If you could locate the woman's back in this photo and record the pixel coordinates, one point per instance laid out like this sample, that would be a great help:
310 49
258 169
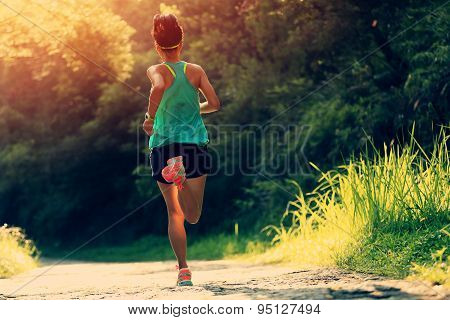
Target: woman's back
178 116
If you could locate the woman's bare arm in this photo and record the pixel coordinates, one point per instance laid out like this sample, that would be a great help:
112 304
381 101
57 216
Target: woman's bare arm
212 103
157 91
156 94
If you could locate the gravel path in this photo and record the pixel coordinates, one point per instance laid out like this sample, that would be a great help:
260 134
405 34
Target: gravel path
221 279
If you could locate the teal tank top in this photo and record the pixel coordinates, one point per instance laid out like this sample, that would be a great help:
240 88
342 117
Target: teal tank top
178 116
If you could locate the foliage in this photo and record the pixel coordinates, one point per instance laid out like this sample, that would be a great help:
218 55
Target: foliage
43 30
393 254
53 133
374 214
438 273
157 248
17 253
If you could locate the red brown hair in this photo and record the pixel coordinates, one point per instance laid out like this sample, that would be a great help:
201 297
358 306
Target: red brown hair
167 32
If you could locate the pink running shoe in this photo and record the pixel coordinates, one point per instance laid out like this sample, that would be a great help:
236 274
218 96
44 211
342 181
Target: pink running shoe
184 277
174 171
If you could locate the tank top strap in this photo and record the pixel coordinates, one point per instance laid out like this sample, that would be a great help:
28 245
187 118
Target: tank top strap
177 69
170 69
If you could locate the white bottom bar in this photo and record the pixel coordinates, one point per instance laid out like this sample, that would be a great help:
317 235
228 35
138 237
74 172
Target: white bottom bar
223 309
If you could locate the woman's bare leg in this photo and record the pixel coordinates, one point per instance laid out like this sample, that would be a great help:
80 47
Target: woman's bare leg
176 230
191 198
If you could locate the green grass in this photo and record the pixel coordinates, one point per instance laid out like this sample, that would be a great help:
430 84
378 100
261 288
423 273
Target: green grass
438 273
393 254
384 214
17 254
157 248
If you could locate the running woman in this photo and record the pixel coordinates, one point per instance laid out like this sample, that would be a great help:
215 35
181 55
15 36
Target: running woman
178 137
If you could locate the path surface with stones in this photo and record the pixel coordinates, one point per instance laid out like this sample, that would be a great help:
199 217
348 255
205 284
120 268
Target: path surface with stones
220 279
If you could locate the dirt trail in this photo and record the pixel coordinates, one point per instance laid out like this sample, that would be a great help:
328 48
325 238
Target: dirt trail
221 279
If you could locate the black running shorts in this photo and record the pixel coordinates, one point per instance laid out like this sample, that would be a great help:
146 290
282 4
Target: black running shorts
196 159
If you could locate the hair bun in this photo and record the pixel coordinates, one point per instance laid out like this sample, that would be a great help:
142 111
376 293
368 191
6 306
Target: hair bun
167 32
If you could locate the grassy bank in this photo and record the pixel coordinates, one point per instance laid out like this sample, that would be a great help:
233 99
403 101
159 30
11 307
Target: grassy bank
157 248
17 254
388 214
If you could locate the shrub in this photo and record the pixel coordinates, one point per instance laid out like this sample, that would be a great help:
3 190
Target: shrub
17 253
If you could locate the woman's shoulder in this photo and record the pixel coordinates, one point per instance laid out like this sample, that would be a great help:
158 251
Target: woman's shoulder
155 67
156 70
195 67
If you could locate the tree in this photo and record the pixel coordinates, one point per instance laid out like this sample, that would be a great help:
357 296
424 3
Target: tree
55 59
